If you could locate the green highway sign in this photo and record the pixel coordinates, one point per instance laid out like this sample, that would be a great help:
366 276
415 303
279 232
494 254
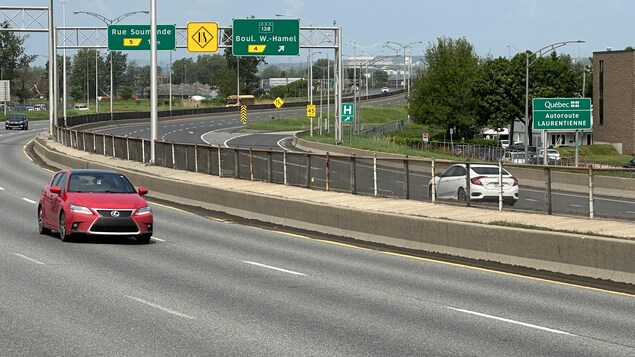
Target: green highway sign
137 37
557 114
264 37
348 113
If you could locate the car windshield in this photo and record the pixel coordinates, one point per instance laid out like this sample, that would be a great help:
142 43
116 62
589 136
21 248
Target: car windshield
16 117
487 170
100 182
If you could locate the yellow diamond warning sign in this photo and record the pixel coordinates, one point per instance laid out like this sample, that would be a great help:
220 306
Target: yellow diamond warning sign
202 36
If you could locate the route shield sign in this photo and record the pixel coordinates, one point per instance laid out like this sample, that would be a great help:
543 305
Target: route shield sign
348 112
266 37
137 37
558 114
201 36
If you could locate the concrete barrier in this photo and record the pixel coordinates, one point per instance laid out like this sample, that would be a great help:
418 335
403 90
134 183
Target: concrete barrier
581 255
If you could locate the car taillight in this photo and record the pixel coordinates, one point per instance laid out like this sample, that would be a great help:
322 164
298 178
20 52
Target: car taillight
477 180
515 181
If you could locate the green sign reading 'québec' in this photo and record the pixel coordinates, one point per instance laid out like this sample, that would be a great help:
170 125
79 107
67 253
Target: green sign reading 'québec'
266 37
553 114
137 37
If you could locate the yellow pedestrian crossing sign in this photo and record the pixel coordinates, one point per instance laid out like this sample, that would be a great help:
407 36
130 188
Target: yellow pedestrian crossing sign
310 110
278 102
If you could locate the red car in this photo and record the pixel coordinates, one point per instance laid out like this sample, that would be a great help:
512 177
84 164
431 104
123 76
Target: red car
94 202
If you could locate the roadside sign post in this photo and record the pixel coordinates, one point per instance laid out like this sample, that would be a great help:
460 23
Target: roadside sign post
266 37
278 102
137 37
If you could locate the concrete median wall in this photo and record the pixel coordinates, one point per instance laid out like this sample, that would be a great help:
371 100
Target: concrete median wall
589 256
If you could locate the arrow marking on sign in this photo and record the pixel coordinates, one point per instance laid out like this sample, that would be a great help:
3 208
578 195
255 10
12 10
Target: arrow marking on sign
281 48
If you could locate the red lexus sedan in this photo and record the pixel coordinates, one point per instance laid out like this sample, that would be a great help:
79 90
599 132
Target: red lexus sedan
94 202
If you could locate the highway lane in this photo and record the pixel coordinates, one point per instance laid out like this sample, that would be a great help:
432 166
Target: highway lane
208 285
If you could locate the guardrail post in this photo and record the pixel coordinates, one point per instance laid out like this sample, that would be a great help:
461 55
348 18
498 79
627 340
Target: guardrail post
591 205
195 157
143 150
94 142
327 172
104 144
375 173
127 148
251 164
284 169
220 165
308 171
237 163
269 166
548 202
433 189
500 185
84 140
113 145
468 192
173 161
353 174
406 167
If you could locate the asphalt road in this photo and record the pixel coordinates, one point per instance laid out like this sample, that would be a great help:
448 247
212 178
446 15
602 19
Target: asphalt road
208 286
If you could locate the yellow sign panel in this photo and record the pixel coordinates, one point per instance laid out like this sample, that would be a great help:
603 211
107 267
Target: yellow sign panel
278 102
201 36
243 114
256 48
131 42
310 110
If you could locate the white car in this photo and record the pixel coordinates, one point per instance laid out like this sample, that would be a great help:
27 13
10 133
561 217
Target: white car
484 184
385 89
552 154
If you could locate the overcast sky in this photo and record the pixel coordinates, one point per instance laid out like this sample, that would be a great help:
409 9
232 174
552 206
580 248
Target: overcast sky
494 27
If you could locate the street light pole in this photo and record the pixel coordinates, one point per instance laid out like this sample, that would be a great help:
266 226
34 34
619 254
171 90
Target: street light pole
64 60
406 85
541 52
108 21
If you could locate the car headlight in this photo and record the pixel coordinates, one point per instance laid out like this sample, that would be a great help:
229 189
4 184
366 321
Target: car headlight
80 209
144 210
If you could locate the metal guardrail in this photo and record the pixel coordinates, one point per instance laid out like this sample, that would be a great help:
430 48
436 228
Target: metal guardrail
405 178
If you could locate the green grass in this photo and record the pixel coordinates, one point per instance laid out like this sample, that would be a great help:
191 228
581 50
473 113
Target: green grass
604 154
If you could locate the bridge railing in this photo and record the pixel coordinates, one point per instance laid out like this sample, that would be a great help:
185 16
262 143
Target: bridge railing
375 175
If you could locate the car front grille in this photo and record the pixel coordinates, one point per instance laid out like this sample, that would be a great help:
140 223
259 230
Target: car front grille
114 222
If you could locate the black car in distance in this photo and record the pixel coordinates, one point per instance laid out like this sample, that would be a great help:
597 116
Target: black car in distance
630 164
16 120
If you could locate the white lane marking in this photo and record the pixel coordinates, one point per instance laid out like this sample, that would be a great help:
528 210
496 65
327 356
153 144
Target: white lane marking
28 200
160 307
274 268
158 239
27 258
511 321
630 212
572 205
530 200
1 188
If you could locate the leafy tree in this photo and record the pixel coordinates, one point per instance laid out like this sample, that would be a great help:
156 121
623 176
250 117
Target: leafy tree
183 71
380 77
272 71
207 67
442 92
119 67
246 68
82 76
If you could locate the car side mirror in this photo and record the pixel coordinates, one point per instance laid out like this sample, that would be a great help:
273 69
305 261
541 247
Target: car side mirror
56 189
142 191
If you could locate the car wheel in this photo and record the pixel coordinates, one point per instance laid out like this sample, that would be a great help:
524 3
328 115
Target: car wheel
64 235
511 203
461 195
144 238
40 222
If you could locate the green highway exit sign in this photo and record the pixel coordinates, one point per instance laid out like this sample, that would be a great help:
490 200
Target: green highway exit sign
266 37
558 114
137 37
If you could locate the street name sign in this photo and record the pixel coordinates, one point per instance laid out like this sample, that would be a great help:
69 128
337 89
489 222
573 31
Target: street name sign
201 36
137 37
266 37
348 112
561 114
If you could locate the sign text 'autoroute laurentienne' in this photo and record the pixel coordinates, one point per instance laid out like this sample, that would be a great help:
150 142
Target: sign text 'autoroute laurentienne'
137 37
266 37
561 114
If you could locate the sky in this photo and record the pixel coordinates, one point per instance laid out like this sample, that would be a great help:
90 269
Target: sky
498 28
